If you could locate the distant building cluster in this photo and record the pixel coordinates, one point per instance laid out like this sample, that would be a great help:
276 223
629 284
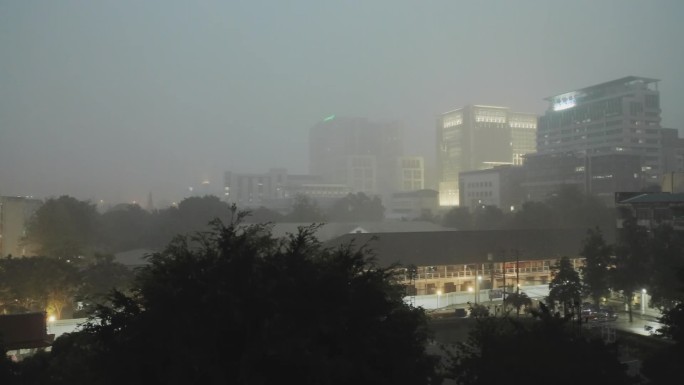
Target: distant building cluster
346 155
604 139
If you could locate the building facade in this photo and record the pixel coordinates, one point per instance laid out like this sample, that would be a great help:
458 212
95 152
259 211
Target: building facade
499 186
444 262
619 116
356 152
601 175
276 189
477 137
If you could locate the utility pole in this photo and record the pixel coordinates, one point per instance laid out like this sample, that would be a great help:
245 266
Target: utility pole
517 272
503 268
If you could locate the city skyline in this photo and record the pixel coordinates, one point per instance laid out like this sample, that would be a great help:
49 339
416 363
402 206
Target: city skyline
114 101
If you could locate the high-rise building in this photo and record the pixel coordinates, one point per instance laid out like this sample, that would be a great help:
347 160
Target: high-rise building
356 152
619 116
477 137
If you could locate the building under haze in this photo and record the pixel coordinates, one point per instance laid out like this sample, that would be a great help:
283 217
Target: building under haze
15 214
363 155
477 137
276 189
617 117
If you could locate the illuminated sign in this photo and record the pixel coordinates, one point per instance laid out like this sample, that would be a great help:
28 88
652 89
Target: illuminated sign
563 102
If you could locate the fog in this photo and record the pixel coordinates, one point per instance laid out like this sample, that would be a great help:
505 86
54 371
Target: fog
114 100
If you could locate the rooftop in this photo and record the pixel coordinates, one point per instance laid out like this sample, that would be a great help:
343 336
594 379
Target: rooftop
622 81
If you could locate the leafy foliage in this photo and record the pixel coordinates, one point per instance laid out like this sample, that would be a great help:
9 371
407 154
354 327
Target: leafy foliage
631 261
305 209
565 286
63 228
37 284
517 300
357 207
234 305
597 261
502 350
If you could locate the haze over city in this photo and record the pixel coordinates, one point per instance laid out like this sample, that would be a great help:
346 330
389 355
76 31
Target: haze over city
114 100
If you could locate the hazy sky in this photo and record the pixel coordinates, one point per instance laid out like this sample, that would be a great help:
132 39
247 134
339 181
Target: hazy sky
116 99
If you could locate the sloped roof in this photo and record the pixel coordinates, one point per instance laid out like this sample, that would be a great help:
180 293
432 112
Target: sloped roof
656 198
333 230
463 247
24 331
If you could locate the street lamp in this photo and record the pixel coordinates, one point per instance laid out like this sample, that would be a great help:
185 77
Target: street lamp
477 285
51 320
470 290
643 300
439 293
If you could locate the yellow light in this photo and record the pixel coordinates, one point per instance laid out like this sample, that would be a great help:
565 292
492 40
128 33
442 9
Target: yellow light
51 318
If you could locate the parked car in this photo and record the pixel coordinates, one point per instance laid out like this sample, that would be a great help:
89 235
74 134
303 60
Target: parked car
606 314
460 312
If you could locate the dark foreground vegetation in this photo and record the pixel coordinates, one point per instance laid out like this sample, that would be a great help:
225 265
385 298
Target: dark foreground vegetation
233 304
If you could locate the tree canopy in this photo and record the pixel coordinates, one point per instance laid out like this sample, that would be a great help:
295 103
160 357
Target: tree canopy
504 350
235 305
565 287
357 207
63 227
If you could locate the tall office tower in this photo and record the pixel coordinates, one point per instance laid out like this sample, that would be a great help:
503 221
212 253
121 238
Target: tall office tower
356 152
478 137
619 116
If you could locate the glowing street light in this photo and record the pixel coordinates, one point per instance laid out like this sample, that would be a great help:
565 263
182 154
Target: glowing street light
51 320
439 294
477 286
643 301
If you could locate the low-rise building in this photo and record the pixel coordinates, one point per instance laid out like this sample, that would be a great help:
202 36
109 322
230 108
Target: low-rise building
451 261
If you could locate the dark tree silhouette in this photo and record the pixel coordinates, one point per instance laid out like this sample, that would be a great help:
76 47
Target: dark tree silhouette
631 261
565 286
357 207
234 305
504 350
63 228
305 209
458 217
597 261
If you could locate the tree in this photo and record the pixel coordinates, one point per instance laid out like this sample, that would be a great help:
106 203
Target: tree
489 218
534 215
357 207
565 286
597 260
264 215
663 365
631 261
305 209
518 300
63 228
666 260
235 305
37 284
125 227
458 217
504 350
99 279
